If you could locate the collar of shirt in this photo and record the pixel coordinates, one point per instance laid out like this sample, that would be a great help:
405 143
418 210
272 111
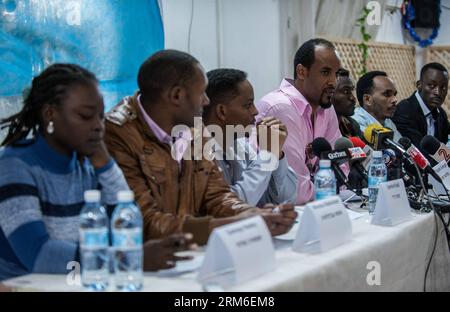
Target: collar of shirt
287 86
235 152
160 134
216 150
54 161
364 118
180 142
426 111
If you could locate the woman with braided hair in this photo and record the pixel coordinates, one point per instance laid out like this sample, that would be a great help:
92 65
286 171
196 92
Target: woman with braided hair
52 153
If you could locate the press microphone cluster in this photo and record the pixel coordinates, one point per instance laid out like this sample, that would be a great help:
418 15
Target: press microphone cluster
322 149
382 138
344 151
414 166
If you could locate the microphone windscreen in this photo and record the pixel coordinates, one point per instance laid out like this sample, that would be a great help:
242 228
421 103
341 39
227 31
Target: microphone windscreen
343 143
368 132
319 146
389 157
430 144
357 142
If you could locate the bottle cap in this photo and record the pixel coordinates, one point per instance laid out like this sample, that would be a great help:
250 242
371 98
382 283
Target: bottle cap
125 196
92 196
324 163
377 154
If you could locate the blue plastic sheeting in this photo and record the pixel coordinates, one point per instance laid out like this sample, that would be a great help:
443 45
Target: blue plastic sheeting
109 37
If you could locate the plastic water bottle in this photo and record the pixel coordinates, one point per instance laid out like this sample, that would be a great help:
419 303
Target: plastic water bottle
448 141
377 174
126 226
324 181
94 243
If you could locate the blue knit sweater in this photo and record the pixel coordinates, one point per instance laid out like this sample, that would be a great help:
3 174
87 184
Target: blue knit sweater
41 196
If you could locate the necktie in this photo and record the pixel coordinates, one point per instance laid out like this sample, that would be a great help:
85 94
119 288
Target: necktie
434 113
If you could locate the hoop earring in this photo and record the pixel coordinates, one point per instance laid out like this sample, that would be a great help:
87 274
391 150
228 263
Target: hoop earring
50 127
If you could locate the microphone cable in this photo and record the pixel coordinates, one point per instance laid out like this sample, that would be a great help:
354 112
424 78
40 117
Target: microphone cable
436 227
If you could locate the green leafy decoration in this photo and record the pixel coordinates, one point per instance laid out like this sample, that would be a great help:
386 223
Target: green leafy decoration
361 22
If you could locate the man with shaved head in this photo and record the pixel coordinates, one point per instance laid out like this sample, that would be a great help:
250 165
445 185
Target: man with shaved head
377 97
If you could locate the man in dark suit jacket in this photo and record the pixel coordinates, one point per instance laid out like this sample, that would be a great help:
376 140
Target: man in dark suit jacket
422 113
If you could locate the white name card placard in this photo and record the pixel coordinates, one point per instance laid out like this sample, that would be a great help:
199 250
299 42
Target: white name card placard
324 225
238 252
392 205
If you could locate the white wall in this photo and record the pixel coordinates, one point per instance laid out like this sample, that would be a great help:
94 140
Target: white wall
261 36
203 42
243 34
297 20
251 41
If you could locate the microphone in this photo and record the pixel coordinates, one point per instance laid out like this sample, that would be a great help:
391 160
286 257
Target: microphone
322 149
357 177
381 138
378 137
343 143
357 142
390 157
357 155
394 166
436 150
418 158
319 146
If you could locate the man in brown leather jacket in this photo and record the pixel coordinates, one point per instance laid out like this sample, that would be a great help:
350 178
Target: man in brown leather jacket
175 195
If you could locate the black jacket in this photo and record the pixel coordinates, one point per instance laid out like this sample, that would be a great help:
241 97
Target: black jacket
411 121
349 127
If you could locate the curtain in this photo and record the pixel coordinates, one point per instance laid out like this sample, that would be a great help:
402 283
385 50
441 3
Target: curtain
337 18
110 38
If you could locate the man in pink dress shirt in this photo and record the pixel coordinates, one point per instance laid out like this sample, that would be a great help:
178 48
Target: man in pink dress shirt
304 106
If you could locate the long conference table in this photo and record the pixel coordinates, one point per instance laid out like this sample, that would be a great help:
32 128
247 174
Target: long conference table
400 254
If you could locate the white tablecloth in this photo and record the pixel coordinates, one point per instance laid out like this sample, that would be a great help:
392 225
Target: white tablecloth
402 252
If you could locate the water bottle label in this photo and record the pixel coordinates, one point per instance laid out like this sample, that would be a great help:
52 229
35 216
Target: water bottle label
322 194
127 238
375 181
94 238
